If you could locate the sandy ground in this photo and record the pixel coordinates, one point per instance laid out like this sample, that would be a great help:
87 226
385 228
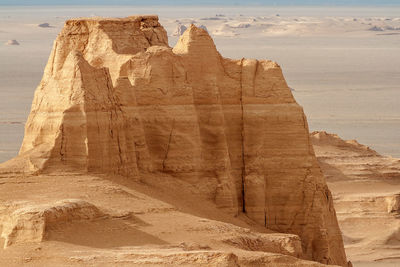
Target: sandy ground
143 224
164 221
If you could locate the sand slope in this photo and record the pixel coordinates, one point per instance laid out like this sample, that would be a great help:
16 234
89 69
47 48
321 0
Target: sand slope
131 223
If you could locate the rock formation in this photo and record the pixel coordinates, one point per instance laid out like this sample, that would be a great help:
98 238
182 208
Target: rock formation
44 25
29 223
115 98
347 160
365 187
12 42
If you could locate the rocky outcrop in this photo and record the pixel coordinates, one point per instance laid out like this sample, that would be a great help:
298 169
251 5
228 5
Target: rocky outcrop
286 245
115 98
347 160
12 42
365 187
44 25
173 257
29 223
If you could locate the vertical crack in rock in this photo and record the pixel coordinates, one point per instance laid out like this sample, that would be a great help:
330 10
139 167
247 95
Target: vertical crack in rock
86 41
304 122
119 150
53 58
62 143
254 78
265 219
310 147
168 145
265 202
242 134
303 200
173 74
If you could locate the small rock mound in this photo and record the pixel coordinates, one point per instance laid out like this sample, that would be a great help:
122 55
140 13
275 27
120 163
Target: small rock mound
376 29
12 42
28 224
44 25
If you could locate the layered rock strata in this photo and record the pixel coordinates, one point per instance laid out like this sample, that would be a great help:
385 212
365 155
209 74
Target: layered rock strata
347 160
115 98
366 192
29 223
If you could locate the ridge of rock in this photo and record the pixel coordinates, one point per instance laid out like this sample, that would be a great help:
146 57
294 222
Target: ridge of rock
365 187
348 160
29 223
327 139
115 98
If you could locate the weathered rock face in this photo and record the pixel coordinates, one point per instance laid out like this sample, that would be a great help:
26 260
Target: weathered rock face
347 160
116 98
29 223
365 187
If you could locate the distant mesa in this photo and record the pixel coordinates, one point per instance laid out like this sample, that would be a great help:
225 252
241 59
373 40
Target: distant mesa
225 30
376 29
211 18
381 29
390 28
44 25
11 122
242 25
180 29
12 42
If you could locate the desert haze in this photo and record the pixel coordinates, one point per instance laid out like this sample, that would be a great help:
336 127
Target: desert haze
146 145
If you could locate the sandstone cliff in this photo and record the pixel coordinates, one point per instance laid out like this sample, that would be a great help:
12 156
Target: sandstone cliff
115 98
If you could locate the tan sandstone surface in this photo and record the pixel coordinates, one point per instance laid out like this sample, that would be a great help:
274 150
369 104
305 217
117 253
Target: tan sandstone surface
366 192
138 153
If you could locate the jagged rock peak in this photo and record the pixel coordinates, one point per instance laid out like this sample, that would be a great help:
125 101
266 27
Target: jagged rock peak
115 98
106 42
195 39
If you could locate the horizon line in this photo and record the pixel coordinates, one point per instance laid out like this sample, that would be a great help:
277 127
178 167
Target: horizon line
214 5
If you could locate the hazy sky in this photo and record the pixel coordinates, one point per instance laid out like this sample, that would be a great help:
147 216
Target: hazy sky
200 2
